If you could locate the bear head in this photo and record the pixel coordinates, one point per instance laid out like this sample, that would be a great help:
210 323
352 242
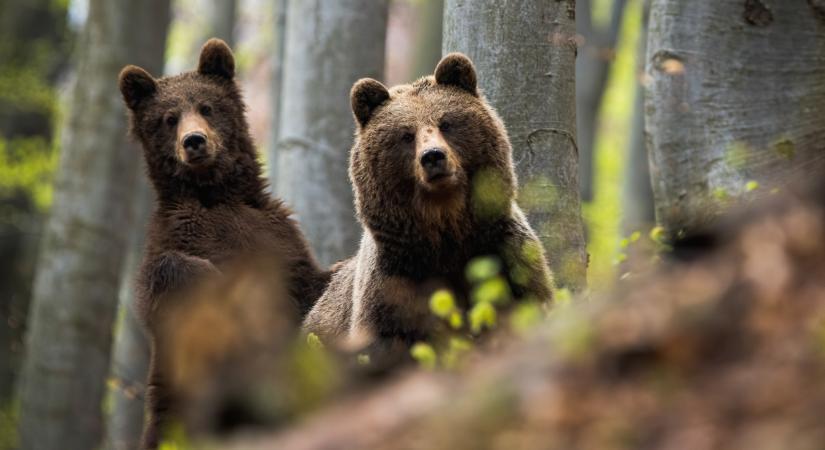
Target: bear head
432 154
192 126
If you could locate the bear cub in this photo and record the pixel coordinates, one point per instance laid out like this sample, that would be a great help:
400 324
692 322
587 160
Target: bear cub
212 206
432 173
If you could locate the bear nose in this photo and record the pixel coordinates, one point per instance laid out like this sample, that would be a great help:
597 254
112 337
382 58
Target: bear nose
194 140
434 162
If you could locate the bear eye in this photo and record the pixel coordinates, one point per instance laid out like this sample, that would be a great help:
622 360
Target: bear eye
445 126
205 110
171 120
407 137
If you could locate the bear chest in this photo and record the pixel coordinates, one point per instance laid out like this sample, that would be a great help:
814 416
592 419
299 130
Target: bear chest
216 233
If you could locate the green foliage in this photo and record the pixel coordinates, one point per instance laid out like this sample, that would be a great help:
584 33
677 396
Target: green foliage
9 414
525 316
425 354
28 165
489 197
442 303
603 215
482 315
482 268
314 342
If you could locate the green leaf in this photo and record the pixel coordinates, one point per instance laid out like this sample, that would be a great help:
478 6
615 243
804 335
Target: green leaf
482 268
456 320
314 341
442 303
494 290
482 315
525 316
425 355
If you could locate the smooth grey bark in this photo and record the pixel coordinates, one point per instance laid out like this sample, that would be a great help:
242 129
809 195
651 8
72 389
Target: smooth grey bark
595 57
276 88
130 354
525 53
222 18
637 193
83 248
736 94
329 46
429 16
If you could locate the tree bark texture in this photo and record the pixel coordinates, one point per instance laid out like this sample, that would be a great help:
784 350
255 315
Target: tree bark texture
637 193
223 14
32 58
597 48
130 354
84 245
427 48
736 94
329 46
525 55
276 87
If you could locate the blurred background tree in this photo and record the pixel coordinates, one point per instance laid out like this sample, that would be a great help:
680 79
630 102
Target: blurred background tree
34 44
84 245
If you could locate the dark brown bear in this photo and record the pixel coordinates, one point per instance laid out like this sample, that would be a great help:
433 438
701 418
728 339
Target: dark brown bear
212 207
434 188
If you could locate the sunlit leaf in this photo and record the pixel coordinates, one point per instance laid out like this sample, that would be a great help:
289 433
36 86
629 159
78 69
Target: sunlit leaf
482 315
442 303
425 355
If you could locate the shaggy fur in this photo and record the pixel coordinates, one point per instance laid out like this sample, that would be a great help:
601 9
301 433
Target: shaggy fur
212 208
419 232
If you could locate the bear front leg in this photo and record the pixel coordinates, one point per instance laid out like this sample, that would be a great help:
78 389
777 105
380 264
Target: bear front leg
168 273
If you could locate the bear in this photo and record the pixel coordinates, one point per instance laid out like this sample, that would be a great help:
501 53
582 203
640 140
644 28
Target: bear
434 186
212 206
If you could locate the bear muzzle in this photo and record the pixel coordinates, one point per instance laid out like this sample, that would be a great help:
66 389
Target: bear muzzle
195 148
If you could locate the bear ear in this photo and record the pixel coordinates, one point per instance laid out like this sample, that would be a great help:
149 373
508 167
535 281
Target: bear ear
457 70
217 59
366 95
136 85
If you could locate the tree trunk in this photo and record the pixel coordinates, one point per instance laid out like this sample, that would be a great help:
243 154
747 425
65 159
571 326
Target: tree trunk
222 20
330 45
130 355
429 15
83 248
736 94
279 48
637 194
525 55
595 56
32 58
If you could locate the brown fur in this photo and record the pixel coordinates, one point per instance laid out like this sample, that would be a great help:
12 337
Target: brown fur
420 233
212 208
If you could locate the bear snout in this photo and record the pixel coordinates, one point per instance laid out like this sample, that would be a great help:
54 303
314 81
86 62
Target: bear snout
195 148
434 163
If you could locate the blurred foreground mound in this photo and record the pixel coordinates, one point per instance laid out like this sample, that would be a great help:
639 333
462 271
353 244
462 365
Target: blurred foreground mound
721 350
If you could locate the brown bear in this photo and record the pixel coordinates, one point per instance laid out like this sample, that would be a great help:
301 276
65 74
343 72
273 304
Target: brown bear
434 184
212 205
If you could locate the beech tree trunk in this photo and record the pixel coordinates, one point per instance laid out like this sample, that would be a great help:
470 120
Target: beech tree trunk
429 15
597 48
525 53
84 245
276 87
330 45
737 94
130 355
222 20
